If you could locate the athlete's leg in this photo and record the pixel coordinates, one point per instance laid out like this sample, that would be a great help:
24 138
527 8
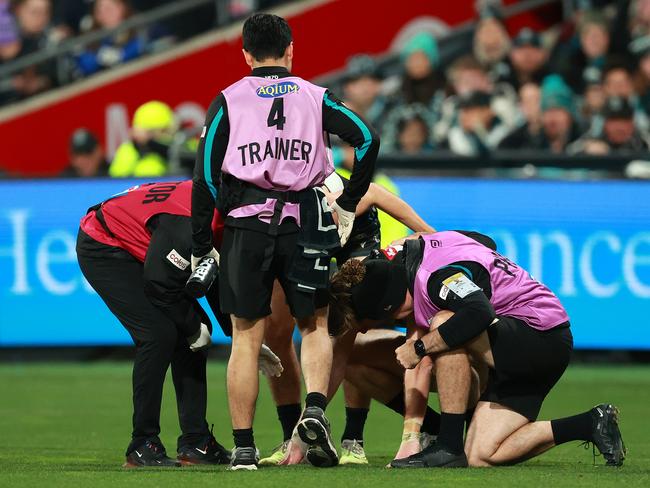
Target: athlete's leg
285 389
491 426
453 379
316 352
243 376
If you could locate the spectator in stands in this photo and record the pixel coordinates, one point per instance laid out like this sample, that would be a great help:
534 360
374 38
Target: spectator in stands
641 49
491 42
478 130
593 100
618 134
9 36
421 88
146 154
413 135
362 90
639 18
618 81
467 75
589 56
36 33
527 60
421 80
86 156
557 127
116 49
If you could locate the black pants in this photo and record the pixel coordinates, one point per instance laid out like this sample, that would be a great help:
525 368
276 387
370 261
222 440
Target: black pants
118 279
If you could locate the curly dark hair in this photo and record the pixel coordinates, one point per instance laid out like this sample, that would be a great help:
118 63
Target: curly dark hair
341 318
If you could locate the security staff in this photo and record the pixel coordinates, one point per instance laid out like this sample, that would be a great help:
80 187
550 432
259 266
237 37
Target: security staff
145 154
261 160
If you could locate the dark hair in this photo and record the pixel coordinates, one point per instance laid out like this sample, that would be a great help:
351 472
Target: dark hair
341 317
618 62
266 36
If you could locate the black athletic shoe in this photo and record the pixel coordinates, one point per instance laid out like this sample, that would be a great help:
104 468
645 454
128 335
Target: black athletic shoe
314 430
244 458
434 456
606 435
207 452
150 454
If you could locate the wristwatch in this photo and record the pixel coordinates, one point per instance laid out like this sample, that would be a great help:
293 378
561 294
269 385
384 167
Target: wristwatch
420 350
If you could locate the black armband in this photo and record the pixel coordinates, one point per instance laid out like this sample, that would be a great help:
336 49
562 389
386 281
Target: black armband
469 321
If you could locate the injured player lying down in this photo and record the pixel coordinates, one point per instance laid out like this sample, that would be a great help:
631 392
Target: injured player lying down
478 305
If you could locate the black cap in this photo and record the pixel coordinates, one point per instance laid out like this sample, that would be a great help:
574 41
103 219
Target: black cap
618 108
527 37
474 99
382 291
83 142
359 66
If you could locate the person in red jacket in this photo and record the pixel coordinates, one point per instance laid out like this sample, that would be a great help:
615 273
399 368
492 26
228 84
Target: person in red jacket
134 249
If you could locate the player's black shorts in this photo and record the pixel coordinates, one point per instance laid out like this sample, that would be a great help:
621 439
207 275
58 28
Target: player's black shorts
245 290
357 247
528 363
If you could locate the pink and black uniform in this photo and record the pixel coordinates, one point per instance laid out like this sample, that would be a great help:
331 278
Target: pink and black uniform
462 272
261 160
527 326
512 291
134 249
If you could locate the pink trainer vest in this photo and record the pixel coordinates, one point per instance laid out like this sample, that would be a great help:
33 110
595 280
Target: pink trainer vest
276 133
514 292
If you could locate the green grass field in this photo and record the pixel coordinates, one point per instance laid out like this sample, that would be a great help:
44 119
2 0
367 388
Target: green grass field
68 425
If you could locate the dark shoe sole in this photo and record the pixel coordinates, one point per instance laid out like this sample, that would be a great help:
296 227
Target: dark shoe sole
454 463
199 462
131 465
618 456
321 452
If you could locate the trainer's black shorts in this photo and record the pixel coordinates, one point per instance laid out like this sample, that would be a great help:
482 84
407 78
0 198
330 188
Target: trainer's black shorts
245 289
527 364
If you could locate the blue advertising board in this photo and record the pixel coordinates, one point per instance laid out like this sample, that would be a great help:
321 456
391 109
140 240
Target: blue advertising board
588 241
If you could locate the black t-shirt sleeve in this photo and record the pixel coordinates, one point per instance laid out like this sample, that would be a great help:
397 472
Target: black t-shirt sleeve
353 129
207 172
463 288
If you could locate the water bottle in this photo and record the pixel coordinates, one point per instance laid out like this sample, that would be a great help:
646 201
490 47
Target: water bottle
202 278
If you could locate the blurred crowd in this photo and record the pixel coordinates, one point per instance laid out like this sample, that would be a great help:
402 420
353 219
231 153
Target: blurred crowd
29 26
579 88
582 87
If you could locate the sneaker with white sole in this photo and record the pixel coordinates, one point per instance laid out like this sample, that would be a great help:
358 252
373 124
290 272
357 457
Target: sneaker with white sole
277 455
314 430
352 452
246 458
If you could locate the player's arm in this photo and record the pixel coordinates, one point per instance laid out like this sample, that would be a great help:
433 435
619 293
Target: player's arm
351 128
417 383
463 288
341 353
166 269
207 169
395 207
